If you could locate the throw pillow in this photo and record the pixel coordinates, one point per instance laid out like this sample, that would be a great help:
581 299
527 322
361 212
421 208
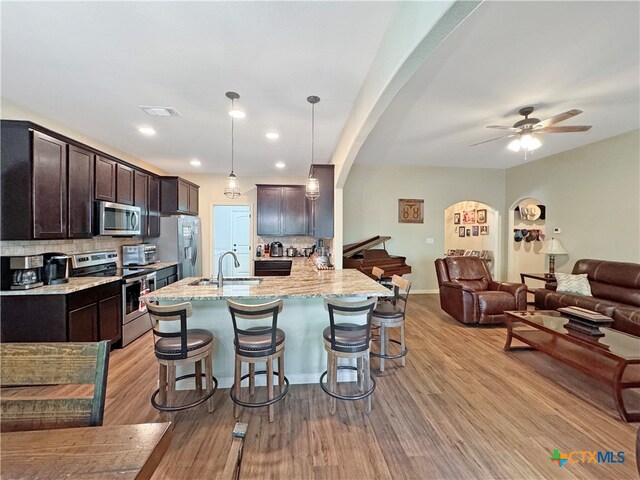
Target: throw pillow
477 284
568 283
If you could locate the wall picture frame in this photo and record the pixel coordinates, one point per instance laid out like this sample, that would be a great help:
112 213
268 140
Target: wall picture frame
481 215
475 230
468 216
484 230
468 232
456 218
461 231
410 210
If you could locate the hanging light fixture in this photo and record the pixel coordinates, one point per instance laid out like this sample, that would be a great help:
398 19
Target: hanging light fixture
313 187
232 186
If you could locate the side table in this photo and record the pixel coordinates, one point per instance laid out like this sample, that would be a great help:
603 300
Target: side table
544 277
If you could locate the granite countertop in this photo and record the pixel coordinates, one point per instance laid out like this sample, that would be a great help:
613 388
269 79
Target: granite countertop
75 284
305 281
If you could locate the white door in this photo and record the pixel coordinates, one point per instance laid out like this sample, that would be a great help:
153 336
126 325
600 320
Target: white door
232 232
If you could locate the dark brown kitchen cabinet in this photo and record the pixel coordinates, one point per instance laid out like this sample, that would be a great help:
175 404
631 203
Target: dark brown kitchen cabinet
178 196
83 324
124 184
80 198
87 315
193 199
281 210
272 268
141 198
105 179
49 183
153 214
166 276
269 210
110 319
320 210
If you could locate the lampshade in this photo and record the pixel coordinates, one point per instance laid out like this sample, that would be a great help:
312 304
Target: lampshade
553 246
231 185
312 191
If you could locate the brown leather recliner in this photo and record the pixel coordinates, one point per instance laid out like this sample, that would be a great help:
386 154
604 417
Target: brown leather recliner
469 295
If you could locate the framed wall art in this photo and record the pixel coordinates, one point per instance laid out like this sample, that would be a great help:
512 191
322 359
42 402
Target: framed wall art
461 231
468 216
474 230
410 210
481 215
456 219
484 230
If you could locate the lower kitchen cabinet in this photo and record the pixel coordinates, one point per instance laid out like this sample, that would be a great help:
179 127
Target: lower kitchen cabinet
272 268
166 276
88 315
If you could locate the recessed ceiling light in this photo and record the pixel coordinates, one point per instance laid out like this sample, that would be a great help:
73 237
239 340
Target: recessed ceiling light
280 165
272 135
160 111
237 113
147 131
195 162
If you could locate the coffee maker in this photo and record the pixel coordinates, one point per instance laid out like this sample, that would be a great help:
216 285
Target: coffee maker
22 273
56 268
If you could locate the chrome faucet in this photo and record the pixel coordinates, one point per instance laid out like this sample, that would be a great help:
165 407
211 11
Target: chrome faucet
220 276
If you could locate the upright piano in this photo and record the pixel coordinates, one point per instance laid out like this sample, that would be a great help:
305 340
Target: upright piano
364 257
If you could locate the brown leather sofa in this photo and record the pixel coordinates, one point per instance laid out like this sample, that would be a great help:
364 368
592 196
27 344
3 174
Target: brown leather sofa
468 293
615 287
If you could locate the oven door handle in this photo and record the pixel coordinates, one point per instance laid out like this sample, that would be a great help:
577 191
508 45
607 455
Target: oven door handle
129 281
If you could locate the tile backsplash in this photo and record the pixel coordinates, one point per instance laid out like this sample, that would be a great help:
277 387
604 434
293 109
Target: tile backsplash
36 247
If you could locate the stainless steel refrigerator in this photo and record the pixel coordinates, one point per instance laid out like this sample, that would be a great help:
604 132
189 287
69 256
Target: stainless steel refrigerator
180 242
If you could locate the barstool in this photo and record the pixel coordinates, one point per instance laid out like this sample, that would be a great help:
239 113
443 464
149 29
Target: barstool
390 314
179 348
254 345
348 340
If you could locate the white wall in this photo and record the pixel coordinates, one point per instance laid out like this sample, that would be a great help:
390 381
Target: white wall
592 193
371 196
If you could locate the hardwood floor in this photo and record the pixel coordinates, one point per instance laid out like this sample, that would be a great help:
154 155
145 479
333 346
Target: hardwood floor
461 409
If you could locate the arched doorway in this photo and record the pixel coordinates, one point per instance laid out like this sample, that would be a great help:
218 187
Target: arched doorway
473 228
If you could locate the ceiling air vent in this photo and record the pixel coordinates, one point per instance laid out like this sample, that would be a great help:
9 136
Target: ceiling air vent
160 111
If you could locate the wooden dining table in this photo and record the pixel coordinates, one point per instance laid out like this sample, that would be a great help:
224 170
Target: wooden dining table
108 452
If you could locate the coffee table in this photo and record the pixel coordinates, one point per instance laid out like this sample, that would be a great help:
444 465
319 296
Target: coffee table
604 358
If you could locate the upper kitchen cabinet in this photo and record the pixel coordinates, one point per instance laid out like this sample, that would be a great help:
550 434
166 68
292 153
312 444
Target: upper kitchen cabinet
281 210
320 210
124 184
34 183
178 196
153 207
141 198
105 175
80 198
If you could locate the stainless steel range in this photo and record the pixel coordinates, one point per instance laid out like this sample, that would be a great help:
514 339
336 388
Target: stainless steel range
136 282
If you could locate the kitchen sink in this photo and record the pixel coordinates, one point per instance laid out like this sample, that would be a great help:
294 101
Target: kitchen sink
212 282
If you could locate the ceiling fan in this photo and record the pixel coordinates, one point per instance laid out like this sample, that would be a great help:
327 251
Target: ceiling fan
526 130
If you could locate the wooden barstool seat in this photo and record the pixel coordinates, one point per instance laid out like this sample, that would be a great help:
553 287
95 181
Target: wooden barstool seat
392 314
256 345
348 340
181 347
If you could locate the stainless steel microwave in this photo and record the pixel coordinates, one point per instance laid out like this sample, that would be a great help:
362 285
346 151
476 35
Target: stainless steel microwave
116 219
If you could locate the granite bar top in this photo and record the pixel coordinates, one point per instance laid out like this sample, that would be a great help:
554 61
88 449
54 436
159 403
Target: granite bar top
75 284
305 281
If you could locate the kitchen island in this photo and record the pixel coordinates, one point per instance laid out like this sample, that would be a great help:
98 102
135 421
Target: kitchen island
303 317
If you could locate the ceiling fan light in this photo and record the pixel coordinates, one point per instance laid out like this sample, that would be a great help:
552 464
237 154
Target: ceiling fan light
514 145
535 143
232 186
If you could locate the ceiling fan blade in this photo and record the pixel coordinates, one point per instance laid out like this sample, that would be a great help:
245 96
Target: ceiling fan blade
490 140
576 128
561 117
503 127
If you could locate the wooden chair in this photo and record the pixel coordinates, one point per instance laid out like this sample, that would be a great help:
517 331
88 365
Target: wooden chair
181 347
256 345
50 364
389 315
348 340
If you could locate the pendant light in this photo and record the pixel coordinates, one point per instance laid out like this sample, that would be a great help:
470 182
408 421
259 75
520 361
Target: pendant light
232 186
313 187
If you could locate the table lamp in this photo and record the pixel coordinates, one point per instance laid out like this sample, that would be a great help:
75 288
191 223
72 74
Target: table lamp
553 247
